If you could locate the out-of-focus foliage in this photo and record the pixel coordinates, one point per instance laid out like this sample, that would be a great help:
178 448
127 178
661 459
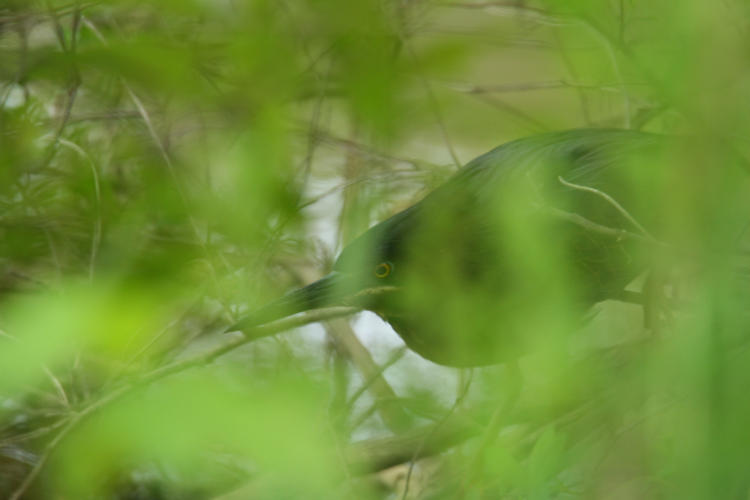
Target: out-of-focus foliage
166 166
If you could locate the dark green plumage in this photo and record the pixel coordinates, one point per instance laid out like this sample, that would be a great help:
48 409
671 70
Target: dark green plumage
481 261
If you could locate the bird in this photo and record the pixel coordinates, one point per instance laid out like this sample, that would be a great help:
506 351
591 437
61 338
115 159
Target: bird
524 239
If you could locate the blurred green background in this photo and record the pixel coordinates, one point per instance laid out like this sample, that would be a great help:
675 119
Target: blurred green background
166 166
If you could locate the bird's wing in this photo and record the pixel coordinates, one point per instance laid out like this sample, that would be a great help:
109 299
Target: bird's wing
499 200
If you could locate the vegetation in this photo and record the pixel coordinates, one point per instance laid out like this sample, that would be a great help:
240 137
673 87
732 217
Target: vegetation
167 166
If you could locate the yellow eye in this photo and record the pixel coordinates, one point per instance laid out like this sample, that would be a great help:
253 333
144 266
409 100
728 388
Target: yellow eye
383 269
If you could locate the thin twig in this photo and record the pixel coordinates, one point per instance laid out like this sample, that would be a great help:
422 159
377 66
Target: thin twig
533 124
364 416
488 438
36 433
111 115
387 402
75 82
470 88
312 136
42 460
397 355
380 453
606 42
511 6
639 298
609 200
58 386
433 102
60 11
618 234
367 151
418 451
59 31
570 66
127 364
97 233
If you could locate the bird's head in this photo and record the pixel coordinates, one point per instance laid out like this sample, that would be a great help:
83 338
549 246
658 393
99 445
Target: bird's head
367 263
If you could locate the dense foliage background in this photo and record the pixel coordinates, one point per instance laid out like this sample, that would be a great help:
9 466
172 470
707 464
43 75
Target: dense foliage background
166 166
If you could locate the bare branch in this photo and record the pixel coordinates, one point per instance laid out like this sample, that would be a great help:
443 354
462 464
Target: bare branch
381 453
609 200
397 355
618 234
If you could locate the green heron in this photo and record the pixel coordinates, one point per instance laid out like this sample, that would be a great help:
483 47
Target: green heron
524 238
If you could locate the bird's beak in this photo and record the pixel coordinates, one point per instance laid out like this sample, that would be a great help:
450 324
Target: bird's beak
327 291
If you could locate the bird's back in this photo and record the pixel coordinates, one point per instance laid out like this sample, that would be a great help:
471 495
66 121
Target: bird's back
597 158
